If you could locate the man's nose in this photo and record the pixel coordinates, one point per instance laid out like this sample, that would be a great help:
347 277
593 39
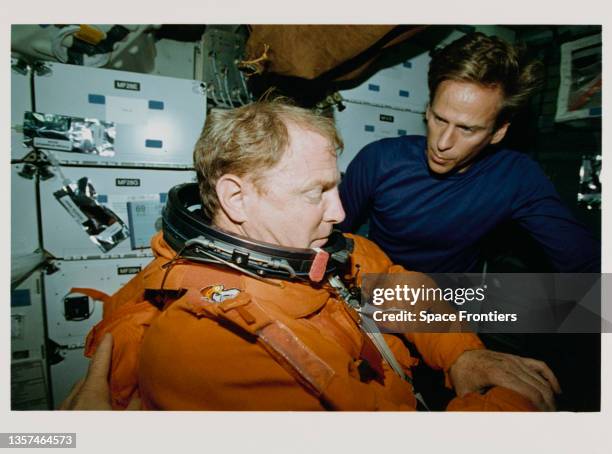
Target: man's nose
446 139
334 212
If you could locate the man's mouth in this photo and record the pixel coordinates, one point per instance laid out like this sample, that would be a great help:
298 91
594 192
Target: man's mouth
438 160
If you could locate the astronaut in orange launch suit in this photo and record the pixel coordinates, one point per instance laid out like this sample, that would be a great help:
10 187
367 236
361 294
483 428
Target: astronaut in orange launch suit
245 305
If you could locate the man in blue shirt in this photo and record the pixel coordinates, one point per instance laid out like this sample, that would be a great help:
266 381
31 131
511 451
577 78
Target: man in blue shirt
430 201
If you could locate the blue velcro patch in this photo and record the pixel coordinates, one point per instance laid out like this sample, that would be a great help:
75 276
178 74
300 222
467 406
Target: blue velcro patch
96 99
156 105
149 143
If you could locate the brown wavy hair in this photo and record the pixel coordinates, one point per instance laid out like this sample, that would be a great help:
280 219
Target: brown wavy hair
491 62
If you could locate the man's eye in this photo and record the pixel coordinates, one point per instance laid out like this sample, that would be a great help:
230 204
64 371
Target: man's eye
439 120
314 194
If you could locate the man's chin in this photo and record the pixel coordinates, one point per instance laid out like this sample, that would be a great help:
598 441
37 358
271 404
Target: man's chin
318 243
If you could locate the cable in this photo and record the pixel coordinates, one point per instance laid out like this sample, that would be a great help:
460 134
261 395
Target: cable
227 90
212 93
244 85
239 95
214 65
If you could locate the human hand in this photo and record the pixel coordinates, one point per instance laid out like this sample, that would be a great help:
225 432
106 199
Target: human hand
93 391
475 370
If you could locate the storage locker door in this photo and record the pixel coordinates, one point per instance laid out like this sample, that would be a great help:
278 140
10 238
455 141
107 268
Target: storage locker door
360 125
70 316
136 196
106 275
403 86
27 325
24 223
29 388
157 119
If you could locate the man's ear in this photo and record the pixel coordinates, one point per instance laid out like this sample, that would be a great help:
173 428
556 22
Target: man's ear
500 133
231 191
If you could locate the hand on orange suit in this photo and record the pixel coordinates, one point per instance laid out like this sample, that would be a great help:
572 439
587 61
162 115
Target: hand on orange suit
93 391
476 370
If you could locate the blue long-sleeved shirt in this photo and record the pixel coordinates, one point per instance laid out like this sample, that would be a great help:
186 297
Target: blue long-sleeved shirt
435 223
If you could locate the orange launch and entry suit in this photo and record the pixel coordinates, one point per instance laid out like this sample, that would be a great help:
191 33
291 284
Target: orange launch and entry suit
216 339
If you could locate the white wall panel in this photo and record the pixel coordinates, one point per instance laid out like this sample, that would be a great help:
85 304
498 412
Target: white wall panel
29 383
24 224
402 86
105 275
27 326
158 119
361 124
66 373
21 101
136 196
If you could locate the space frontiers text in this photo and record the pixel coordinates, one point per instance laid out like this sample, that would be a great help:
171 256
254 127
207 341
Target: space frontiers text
412 302
406 296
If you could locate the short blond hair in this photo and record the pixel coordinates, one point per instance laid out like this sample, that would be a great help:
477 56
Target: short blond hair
249 140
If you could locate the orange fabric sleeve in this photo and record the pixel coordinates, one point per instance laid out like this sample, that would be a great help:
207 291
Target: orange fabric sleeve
495 399
193 363
439 350
188 363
